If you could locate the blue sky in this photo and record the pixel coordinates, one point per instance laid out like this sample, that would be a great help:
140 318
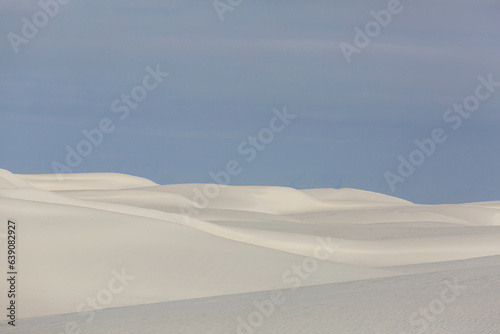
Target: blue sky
353 120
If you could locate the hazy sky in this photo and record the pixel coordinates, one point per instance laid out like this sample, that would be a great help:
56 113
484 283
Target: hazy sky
353 119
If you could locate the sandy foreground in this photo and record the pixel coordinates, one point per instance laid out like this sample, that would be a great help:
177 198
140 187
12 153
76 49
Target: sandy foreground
114 253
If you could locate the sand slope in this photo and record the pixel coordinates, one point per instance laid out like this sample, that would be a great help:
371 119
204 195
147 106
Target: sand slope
182 242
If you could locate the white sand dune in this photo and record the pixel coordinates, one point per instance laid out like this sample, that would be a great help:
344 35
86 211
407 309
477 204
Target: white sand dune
191 241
